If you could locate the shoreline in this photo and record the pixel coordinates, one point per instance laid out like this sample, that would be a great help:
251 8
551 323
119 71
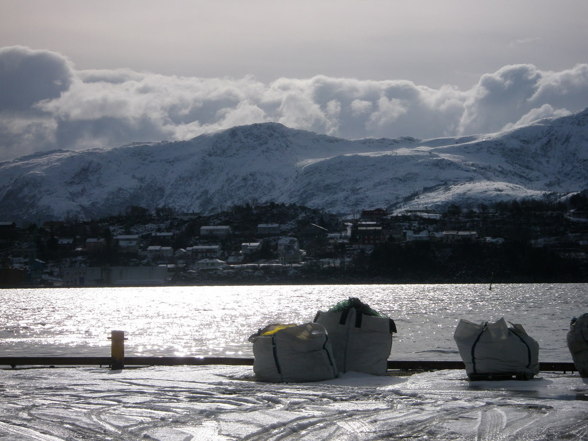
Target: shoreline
326 281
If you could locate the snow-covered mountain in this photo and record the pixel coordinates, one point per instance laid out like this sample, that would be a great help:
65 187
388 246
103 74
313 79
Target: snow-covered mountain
270 162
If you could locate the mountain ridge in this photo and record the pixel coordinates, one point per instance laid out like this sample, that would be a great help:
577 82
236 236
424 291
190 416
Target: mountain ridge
268 162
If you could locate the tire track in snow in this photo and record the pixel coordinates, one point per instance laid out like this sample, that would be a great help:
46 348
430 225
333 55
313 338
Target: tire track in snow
559 426
492 422
26 433
229 406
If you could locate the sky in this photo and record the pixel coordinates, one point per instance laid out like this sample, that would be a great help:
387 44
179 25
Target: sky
78 74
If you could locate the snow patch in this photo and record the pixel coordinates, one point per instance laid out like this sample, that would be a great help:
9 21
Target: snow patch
225 402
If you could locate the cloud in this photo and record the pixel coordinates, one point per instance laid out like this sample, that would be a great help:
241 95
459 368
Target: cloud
516 94
545 111
499 98
29 76
46 103
565 89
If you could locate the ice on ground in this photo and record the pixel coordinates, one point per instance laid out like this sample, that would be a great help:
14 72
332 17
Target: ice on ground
226 403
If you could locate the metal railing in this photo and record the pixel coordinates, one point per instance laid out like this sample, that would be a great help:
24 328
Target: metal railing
117 361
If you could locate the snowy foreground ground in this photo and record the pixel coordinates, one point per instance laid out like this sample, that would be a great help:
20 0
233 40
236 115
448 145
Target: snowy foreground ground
225 403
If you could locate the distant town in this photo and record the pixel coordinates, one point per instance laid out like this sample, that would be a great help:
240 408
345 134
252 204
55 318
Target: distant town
519 241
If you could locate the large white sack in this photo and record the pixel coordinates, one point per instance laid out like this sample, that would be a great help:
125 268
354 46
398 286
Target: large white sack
293 353
361 342
578 343
495 348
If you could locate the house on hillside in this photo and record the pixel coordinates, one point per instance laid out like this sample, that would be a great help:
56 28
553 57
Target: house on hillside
249 248
66 243
367 233
199 252
163 238
289 250
94 244
128 242
158 253
216 231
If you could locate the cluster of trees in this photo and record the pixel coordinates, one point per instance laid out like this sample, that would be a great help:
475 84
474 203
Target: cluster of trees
512 261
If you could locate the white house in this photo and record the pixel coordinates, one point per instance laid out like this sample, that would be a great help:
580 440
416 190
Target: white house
128 242
158 252
204 251
289 250
248 248
162 238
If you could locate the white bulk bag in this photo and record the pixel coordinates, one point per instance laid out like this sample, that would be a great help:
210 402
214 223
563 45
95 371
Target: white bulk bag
361 342
578 343
490 349
293 353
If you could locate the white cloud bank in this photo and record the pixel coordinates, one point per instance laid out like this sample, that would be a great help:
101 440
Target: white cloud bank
46 103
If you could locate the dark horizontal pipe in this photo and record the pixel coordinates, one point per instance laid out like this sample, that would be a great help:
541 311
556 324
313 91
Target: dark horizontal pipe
424 364
555 366
438 365
54 361
200 361
137 361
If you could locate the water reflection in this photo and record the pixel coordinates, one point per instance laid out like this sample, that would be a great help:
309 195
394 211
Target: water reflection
216 321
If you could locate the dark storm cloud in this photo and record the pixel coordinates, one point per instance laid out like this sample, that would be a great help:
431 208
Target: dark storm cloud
46 104
28 76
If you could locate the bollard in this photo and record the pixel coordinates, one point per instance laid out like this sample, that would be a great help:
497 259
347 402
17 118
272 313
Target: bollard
117 349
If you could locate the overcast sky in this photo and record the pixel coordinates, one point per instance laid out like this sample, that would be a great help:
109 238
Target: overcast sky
77 74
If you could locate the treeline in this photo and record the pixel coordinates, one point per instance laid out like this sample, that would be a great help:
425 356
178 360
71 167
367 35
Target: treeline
512 261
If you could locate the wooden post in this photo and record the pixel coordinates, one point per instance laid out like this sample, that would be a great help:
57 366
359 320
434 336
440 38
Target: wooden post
117 347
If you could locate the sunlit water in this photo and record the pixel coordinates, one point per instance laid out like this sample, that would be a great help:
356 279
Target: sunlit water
217 321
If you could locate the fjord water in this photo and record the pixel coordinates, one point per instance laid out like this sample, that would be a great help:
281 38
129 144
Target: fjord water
217 320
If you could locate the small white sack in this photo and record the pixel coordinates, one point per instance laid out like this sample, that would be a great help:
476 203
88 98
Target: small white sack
496 348
293 353
578 343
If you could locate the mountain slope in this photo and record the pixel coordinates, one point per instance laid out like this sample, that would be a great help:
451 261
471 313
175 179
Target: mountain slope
270 162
